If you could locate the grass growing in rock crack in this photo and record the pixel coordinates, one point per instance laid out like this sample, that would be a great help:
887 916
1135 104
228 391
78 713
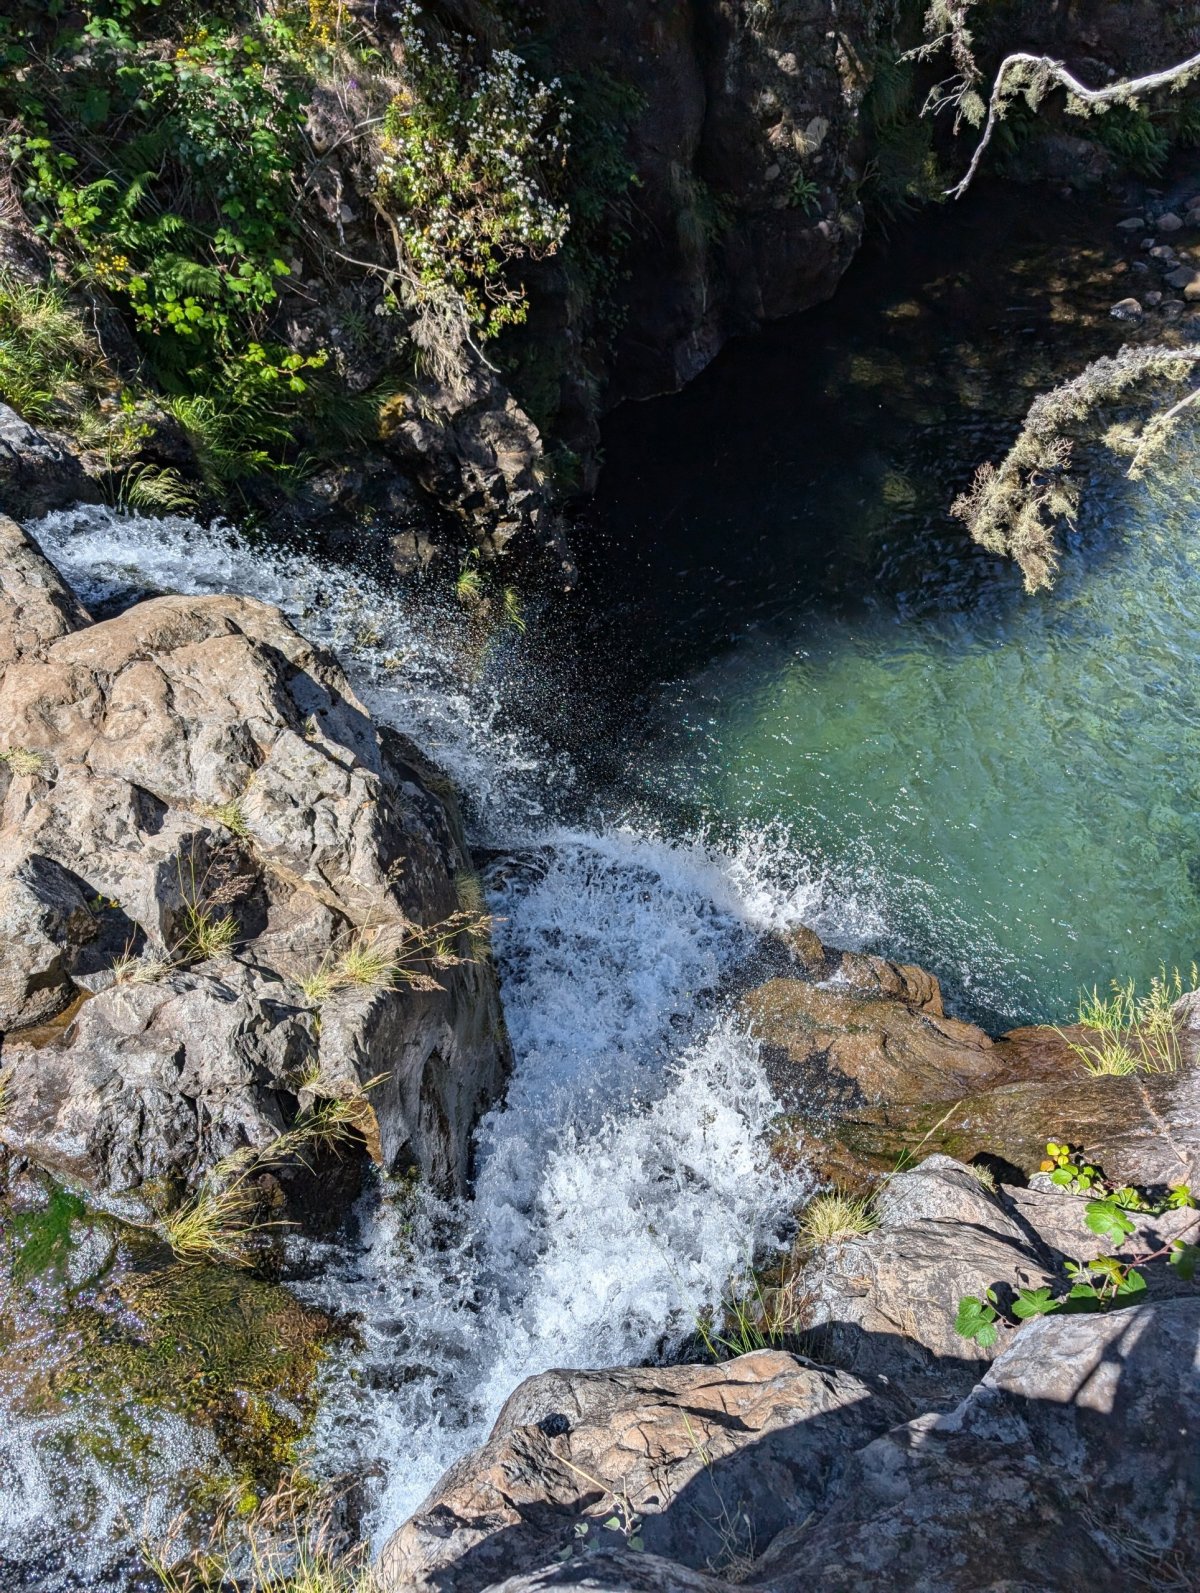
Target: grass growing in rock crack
383 958
219 1219
205 935
20 760
836 1216
232 815
1130 1033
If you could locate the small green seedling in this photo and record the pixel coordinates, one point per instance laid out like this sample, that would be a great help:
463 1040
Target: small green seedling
1068 1170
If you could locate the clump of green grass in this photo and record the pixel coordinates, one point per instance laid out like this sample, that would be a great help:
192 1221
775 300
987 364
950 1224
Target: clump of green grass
286 1543
155 489
49 362
206 935
1130 1033
20 760
835 1216
232 815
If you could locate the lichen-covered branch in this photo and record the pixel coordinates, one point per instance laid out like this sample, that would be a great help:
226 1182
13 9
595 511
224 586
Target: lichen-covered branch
1015 508
1022 75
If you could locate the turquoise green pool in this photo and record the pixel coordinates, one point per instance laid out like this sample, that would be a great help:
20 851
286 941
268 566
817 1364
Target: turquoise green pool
800 635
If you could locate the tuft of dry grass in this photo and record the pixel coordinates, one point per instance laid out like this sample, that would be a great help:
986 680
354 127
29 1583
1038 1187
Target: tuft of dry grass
220 1218
836 1216
20 760
374 957
289 1542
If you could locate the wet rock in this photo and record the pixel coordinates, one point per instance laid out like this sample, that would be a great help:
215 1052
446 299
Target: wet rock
1131 224
710 1457
36 604
1184 277
613 1571
1077 1451
834 1045
1126 310
38 471
191 762
1169 222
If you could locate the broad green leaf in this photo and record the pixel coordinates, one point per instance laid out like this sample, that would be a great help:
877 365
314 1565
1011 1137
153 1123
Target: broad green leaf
1185 1258
1108 1221
1034 1302
976 1320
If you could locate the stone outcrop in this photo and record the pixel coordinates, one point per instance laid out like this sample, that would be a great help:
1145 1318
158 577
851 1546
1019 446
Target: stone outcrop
38 471
1073 1454
712 1459
871 1070
1074 1459
194 760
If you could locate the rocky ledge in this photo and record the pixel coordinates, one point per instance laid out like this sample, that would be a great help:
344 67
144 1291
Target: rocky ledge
890 1457
867 1442
225 894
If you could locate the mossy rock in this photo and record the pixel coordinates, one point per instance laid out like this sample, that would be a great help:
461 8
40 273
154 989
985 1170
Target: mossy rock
1143 1129
136 1334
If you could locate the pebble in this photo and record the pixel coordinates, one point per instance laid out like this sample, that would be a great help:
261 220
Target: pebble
1170 222
1131 224
1172 307
1126 310
1149 243
1153 297
1164 252
1140 267
1181 276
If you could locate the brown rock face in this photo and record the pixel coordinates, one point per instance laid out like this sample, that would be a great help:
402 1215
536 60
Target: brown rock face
190 761
676 1445
832 1046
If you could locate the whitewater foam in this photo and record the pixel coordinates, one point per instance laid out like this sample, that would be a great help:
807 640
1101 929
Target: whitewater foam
625 1180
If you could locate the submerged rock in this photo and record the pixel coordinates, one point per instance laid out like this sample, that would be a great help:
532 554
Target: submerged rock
198 818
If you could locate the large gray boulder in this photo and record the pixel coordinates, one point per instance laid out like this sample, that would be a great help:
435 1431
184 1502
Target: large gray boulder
1075 1462
197 758
714 1460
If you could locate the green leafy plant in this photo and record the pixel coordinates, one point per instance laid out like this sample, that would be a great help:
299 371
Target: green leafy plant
1068 1170
470 158
978 1318
804 194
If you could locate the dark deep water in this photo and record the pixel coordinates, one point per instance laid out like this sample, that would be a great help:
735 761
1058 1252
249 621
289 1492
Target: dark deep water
779 624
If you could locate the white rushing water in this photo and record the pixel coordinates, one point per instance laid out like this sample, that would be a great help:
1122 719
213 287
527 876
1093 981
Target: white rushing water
625 1179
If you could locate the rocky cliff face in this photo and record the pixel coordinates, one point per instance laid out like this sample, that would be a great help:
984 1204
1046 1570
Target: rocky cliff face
225 895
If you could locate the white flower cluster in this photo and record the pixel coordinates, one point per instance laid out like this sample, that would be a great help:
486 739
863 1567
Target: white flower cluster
470 156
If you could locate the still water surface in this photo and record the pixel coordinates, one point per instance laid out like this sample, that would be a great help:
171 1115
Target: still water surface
792 629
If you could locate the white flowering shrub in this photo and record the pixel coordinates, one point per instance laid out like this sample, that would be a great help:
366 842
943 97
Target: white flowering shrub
471 159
